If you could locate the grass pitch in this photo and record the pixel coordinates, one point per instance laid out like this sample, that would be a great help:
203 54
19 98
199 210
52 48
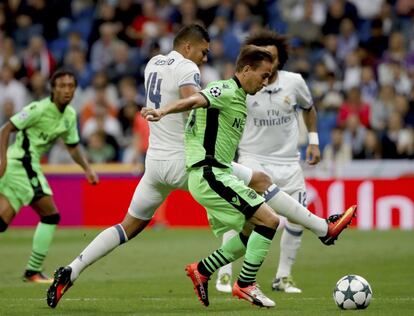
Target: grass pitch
146 276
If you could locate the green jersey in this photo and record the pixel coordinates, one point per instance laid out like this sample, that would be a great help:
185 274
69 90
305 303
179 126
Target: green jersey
40 123
213 133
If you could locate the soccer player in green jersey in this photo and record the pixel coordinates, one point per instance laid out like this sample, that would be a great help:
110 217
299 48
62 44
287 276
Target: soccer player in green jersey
212 135
22 182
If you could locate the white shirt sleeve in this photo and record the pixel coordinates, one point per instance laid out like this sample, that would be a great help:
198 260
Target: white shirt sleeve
304 97
188 74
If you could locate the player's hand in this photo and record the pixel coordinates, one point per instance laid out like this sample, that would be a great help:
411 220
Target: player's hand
150 114
313 154
92 177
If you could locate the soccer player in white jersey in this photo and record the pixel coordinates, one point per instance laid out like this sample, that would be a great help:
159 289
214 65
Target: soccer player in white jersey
269 144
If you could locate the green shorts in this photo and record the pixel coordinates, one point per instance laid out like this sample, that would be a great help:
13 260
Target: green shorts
228 201
23 184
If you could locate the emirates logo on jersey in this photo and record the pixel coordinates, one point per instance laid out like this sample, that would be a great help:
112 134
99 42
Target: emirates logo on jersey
215 92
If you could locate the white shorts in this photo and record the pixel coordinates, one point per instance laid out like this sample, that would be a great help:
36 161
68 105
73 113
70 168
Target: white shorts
288 177
161 177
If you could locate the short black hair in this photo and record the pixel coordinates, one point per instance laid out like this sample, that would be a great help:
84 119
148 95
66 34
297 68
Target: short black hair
252 56
194 32
271 38
60 73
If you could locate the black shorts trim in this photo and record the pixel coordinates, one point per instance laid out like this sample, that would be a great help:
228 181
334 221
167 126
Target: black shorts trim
31 174
228 194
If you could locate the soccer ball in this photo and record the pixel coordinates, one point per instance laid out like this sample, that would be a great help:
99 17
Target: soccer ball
352 292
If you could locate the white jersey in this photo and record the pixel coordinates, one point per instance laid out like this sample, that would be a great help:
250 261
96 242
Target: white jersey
271 133
164 75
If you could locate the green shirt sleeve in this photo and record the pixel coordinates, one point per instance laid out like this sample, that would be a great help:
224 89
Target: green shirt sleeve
217 95
27 117
71 137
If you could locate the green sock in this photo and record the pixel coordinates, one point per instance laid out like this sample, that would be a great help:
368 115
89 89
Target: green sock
232 250
256 251
42 239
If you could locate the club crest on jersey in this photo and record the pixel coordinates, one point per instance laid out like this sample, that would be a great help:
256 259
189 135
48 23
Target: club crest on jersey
197 78
23 115
215 92
287 100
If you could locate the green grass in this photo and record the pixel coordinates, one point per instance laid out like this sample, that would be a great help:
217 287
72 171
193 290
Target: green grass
146 276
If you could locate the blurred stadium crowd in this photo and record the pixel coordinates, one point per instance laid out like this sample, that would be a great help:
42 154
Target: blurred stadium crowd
356 56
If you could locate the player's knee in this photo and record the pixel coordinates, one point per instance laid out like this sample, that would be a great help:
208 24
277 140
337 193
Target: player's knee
260 181
3 225
53 219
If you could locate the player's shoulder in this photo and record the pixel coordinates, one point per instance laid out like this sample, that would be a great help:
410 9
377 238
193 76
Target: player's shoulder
70 111
222 88
294 77
38 105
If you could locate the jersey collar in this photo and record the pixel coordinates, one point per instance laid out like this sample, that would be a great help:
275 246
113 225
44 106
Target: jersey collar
237 81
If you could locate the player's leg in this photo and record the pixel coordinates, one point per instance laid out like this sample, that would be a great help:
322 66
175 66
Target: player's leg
42 238
223 282
148 196
290 176
246 287
290 242
259 181
327 230
7 213
104 243
228 203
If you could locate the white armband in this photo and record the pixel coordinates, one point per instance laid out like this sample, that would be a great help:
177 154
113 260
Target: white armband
313 138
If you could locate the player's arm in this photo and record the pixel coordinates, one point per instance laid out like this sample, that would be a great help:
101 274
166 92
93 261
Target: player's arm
313 154
80 159
5 132
192 102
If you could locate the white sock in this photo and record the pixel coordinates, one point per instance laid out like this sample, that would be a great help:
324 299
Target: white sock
103 244
287 206
289 245
228 267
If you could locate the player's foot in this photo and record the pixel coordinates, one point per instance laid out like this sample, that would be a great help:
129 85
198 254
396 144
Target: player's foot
36 277
60 285
285 284
223 283
337 223
200 282
253 294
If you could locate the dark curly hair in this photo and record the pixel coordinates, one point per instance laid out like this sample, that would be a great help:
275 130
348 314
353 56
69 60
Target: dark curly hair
271 38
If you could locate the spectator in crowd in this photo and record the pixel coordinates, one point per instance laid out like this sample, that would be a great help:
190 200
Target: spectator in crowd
12 89
397 141
94 107
371 148
122 65
9 56
38 88
305 18
38 57
354 134
369 86
98 150
75 60
382 107
347 40
353 104
7 110
337 153
100 82
103 50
